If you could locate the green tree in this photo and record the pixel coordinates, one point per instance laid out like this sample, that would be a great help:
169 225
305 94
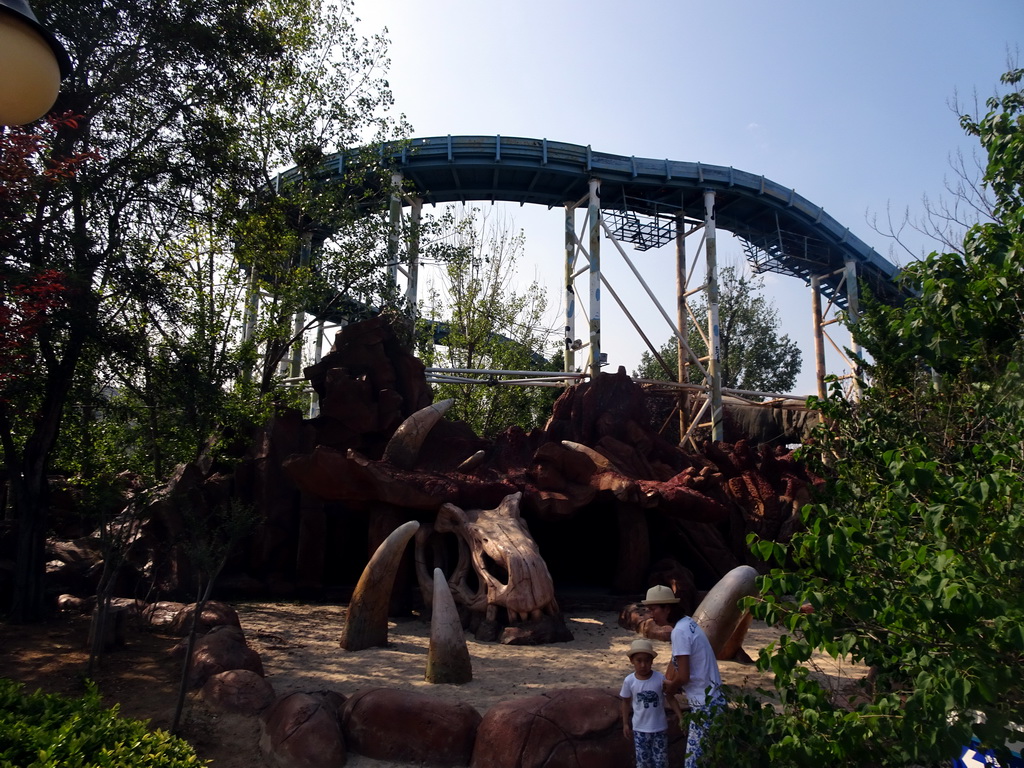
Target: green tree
189 106
475 319
911 554
754 356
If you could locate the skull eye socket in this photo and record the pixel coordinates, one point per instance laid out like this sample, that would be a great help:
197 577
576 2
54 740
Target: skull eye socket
495 569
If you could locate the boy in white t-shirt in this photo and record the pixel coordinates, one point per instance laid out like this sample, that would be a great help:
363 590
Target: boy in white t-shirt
643 692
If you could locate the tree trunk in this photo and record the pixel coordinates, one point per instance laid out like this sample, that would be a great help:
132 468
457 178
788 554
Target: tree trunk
29 492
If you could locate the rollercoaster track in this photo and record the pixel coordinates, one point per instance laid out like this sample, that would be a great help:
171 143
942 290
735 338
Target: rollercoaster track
781 231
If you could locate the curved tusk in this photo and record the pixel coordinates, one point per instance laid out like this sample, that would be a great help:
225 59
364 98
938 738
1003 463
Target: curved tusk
603 463
472 462
367 622
447 656
403 448
719 613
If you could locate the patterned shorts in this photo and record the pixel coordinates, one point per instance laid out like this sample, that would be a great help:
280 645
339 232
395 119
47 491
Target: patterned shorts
699 725
651 749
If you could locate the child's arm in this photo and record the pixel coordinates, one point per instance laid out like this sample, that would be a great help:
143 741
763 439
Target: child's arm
627 716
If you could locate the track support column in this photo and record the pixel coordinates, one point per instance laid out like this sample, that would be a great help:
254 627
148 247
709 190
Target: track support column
683 321
299 321
395 228
853 317
570 292
594 213
819 336
714 332
412 289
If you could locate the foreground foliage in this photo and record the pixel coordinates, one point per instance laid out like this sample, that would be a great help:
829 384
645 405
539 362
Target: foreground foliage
911 557
47 731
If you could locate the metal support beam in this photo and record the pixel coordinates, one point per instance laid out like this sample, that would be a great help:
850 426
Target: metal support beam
570 292
395 227
299 322
714 332
853 317
682 321
594 214
412 289
819 336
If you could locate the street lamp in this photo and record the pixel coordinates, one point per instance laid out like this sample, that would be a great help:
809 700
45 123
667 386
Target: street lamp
32 64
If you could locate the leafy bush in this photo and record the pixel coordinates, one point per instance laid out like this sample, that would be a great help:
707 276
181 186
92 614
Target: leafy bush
46 731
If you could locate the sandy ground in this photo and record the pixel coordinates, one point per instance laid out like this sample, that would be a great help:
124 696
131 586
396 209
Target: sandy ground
299 648
298 645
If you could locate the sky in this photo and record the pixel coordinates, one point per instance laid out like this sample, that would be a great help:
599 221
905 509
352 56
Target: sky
847 103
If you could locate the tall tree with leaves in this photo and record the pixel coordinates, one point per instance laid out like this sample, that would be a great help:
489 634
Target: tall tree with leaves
172 96
754 356
911 554
474 318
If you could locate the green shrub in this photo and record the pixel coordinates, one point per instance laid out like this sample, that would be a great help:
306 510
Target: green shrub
41 730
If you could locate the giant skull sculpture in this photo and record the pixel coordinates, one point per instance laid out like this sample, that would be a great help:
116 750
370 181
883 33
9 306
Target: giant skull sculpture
499 564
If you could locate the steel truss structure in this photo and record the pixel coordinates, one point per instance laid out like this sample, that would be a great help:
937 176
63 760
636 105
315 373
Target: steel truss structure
645 203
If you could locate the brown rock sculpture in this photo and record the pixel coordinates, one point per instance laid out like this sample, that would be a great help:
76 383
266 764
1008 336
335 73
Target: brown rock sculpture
572 728
241 691
409 727
303 730
221 649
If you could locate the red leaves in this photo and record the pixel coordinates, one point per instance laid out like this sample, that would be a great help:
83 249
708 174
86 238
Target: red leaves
25 305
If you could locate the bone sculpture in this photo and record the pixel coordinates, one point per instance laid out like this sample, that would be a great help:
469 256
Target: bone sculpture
404 447
367 621
510 572
447 656
720 615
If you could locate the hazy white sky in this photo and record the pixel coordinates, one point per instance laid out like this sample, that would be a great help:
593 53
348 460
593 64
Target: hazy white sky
848 103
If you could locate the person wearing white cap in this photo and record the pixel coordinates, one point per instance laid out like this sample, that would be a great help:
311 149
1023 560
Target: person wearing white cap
643 692
693 668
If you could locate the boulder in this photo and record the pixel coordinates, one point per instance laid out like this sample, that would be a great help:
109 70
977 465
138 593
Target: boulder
302 730
409 727
221 649
568 728
241 691
214 614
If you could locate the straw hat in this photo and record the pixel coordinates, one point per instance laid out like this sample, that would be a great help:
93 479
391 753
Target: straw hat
660 595
640 645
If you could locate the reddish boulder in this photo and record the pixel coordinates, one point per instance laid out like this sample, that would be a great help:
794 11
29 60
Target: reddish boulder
239 690
409 727
570 728
214 614
221 649
303 730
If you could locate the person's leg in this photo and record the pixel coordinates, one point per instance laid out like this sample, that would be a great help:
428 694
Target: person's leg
643 745
699 724
659 749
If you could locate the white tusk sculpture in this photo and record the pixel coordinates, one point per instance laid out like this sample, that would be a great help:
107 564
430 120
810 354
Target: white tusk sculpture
602 462
720 615
367 622
448 656
472 462
403 448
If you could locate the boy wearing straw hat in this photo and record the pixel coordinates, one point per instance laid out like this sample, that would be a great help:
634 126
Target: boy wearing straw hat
693 668
643 693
